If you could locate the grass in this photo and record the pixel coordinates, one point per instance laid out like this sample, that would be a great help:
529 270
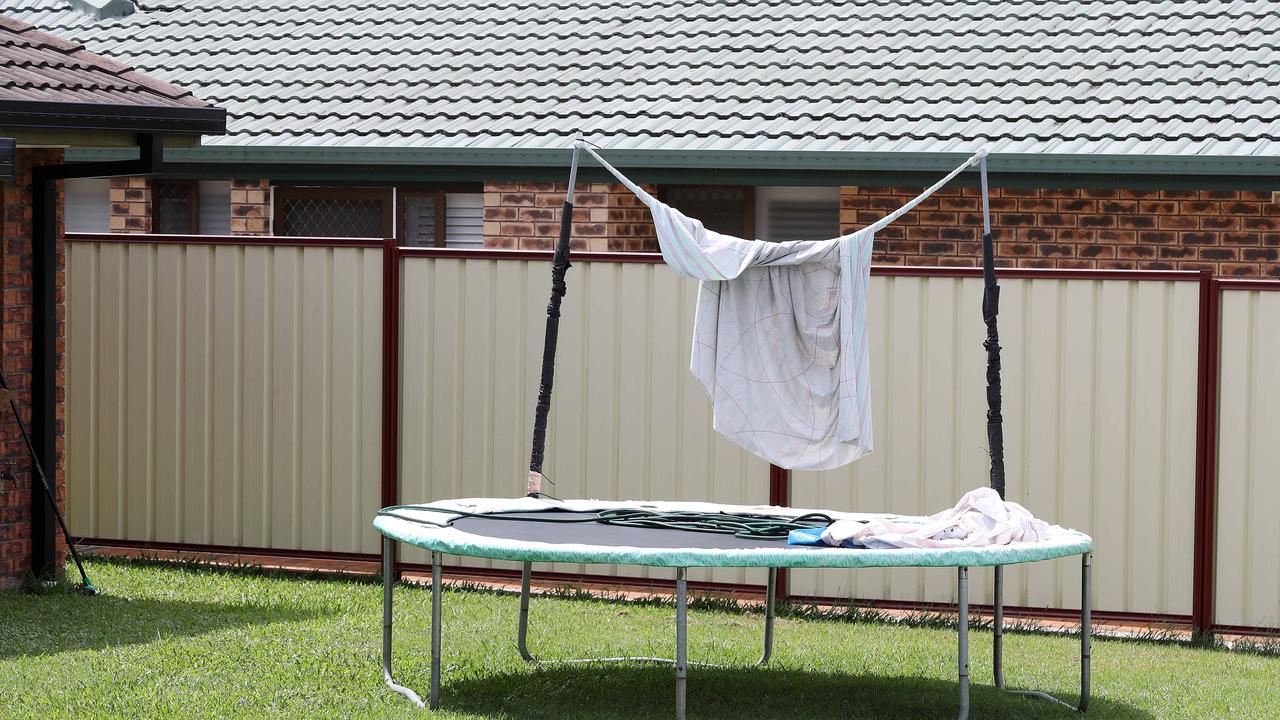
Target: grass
183 641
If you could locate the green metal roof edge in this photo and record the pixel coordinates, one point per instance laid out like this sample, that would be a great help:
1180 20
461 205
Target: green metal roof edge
726 160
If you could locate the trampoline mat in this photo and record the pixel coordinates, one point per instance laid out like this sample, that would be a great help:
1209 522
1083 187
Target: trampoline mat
526 539
597 533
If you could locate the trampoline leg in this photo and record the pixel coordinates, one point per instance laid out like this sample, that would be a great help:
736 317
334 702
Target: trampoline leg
682 633
769 613
522 630
962 625
437 590
997 629
1086 628
1086 631
388 582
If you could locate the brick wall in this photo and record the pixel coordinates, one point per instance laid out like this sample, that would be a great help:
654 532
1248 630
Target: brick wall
1233 233
526 215
130 210
250 207
15 353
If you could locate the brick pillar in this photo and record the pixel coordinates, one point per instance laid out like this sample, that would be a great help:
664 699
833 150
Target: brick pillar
130 205
250 207
606 217
15 353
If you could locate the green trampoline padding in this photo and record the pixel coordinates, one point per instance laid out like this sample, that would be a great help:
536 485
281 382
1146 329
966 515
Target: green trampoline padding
538 530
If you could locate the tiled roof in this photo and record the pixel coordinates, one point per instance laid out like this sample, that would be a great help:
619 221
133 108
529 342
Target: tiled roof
864 76
36 67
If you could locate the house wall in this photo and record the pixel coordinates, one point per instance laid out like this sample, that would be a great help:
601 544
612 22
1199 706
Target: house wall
15 353
606 217
130 210
1231 232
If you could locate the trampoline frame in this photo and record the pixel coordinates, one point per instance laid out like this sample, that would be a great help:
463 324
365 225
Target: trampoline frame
681 662
990 313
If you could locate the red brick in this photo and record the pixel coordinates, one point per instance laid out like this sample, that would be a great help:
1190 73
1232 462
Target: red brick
1078 205
1138 222
1241 238
1242 208
1135 251
1076 264
938 248
1055 220
1097 221
1239 270
1222 222
1178 222
1052 250
1192 238
1260 254
1179 194
1217 253
1036 205
1020 192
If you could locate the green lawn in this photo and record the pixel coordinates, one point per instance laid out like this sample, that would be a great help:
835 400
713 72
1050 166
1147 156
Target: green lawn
181 641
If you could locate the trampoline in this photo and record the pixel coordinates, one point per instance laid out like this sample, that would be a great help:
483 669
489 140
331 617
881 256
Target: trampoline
683 535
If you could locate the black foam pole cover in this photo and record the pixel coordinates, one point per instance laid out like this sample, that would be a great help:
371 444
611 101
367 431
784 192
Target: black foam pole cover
990 314
559 266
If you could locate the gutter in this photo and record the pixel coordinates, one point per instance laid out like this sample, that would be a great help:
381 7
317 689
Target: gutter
105 117
44 326
1255 166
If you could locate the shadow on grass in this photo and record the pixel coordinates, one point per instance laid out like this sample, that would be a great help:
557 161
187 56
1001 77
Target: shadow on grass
607 692
44 624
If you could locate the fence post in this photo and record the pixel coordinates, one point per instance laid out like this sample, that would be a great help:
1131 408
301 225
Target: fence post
391 381
1203 578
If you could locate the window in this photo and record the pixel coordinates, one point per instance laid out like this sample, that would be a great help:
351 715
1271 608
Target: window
332 212
431 218
723 208
214 211
86 207
175 207
464 220
797 213
422 219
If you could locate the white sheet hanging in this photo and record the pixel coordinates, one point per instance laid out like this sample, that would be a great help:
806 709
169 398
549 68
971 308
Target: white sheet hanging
779 334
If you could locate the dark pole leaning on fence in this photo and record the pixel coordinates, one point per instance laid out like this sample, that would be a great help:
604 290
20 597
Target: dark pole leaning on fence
559 266
990 312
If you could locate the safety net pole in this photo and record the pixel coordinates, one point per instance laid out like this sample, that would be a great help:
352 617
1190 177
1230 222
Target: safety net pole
990 311
559 266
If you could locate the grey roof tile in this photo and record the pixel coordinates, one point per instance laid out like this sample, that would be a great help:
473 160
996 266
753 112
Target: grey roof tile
1106 76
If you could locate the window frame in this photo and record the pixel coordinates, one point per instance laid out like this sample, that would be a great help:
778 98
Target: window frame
331 192
748 201
193 202
402 193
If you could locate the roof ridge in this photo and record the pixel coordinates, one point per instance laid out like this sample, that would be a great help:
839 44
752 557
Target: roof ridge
202 17
288 32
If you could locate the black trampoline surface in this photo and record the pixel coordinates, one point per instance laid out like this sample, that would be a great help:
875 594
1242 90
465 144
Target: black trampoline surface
506 526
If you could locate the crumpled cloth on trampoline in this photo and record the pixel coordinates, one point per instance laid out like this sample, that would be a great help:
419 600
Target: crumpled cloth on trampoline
979 519
779 338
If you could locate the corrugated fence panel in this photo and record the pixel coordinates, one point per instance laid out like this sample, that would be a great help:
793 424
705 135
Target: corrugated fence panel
1099 419
628 420
224 394
1248 536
